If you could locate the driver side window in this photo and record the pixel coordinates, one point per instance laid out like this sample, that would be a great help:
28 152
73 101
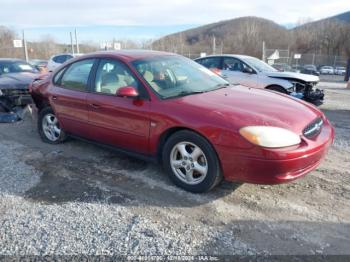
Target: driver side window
233 64
112 75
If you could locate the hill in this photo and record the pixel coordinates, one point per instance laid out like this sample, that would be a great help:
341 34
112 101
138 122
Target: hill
330 36
344 17
244 35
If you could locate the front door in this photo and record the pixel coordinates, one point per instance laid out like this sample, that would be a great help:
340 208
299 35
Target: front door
233 71
119 121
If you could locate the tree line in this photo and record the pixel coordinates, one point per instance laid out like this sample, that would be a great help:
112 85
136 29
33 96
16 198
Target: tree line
245 36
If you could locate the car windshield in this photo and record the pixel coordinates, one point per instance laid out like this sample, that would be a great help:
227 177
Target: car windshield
174 76
259 65
16 67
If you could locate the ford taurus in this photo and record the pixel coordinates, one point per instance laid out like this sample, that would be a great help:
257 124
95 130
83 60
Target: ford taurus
165 107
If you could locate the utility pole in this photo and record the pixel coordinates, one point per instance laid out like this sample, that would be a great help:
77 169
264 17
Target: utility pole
263 51
214 45
76 41
25 50
71 42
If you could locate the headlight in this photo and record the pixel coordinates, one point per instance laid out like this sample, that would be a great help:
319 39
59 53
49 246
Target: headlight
268 136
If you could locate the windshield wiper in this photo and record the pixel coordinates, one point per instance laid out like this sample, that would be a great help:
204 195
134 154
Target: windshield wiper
219 86
187 93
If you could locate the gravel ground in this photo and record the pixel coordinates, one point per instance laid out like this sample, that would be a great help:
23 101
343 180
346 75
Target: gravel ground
77 198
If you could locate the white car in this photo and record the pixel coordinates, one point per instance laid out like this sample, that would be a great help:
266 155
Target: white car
327 70
340 70
59 59
252 72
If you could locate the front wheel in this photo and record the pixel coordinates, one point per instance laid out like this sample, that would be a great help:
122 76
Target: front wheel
49 127
191 162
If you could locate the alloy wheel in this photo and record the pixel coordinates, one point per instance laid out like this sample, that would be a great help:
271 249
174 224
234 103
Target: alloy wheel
51 127
189 163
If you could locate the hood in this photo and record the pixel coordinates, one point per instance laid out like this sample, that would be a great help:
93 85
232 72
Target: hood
16 80
239 106
304 77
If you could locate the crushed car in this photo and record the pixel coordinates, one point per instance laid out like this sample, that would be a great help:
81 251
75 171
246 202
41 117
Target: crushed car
252 72
15 78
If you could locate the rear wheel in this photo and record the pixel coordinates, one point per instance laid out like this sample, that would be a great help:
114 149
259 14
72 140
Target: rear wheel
191 162
49 127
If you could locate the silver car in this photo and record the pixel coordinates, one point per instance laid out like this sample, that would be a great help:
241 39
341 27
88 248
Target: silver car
252 72
327 70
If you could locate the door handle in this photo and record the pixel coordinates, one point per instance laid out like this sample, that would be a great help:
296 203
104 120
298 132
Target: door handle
95 106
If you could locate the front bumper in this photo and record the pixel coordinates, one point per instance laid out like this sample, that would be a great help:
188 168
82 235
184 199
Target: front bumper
314 96
284 166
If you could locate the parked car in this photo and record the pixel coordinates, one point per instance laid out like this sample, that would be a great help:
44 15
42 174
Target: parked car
165 107
327 70
57 60
340 70
282 67
297 68
39 64
252 72
310 70
15 77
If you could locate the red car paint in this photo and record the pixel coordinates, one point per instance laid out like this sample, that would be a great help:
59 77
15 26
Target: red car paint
141 125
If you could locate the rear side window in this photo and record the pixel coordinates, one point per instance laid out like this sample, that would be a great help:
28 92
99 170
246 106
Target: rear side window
210 62
77 75
60 59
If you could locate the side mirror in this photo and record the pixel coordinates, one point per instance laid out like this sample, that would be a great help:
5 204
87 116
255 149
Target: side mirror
127 91
248 70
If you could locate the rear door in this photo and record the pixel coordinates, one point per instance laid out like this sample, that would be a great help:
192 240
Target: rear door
232 70
118 121
68 96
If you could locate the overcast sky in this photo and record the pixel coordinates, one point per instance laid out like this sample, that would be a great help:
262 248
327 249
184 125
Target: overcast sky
31 14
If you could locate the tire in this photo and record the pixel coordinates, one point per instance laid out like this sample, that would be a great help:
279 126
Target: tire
277 89
45 127
191 162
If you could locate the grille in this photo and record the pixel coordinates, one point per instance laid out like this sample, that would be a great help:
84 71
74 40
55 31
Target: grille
16 92
314 128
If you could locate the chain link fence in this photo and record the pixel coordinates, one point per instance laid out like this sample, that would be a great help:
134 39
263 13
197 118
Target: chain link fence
286 56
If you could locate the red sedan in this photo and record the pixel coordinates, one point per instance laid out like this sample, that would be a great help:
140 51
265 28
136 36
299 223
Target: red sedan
165 107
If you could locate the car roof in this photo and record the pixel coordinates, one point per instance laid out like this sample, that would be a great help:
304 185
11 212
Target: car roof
127 55
230 55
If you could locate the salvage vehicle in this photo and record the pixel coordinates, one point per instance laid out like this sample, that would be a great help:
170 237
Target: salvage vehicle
39 64
252 72
167 108
340 70
310 70
15 77
327 70
59 59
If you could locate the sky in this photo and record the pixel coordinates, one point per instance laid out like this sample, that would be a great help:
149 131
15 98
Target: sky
104 20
